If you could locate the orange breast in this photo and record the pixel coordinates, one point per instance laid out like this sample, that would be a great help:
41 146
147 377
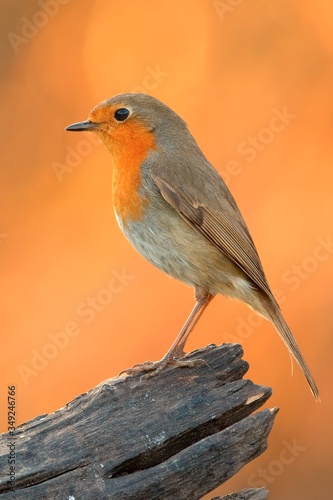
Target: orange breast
131 145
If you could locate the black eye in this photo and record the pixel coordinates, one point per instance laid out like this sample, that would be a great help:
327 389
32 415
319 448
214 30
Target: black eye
121 114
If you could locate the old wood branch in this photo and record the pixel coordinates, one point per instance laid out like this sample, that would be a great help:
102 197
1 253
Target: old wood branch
249 494
176 436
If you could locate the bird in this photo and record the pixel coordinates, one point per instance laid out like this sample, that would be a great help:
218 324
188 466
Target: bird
177 212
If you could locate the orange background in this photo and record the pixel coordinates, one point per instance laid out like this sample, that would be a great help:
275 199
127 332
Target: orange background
224 67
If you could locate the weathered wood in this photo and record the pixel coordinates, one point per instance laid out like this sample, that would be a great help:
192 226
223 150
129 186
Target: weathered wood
249 494
176 436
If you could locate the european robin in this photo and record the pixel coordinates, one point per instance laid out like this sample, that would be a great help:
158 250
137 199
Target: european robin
176 210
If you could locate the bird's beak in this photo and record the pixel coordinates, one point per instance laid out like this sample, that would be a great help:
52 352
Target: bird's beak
81 126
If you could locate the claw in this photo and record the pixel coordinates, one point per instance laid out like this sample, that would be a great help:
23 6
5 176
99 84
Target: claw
150 369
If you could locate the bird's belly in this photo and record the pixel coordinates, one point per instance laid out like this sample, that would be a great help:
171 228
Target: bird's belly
176 248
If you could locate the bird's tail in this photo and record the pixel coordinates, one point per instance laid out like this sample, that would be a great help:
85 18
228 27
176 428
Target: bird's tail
273 313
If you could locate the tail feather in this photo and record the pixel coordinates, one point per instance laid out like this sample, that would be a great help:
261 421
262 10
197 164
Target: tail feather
275 316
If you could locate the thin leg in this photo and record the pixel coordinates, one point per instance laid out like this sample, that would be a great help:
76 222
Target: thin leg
176 349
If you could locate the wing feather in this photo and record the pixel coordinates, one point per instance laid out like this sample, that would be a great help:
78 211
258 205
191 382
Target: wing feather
231 236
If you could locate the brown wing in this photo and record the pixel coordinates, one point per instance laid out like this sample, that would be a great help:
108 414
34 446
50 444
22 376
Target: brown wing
230 236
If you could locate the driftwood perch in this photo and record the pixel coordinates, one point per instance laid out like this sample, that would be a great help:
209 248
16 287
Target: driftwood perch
176 436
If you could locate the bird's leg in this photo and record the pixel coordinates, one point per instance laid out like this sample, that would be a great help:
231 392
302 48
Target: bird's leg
176 349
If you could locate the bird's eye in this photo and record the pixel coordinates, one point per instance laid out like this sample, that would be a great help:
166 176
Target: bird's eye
121 114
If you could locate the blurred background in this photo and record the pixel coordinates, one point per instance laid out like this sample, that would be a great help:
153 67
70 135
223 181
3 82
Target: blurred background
254 81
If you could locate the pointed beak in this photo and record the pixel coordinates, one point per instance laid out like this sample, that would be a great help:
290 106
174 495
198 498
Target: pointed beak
82 126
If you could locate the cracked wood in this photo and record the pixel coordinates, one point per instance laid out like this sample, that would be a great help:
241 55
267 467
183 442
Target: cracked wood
178 435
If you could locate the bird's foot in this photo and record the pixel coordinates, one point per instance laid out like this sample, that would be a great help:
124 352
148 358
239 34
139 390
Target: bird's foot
150 369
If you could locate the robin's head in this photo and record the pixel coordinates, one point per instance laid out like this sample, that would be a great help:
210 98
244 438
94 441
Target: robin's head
126 120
